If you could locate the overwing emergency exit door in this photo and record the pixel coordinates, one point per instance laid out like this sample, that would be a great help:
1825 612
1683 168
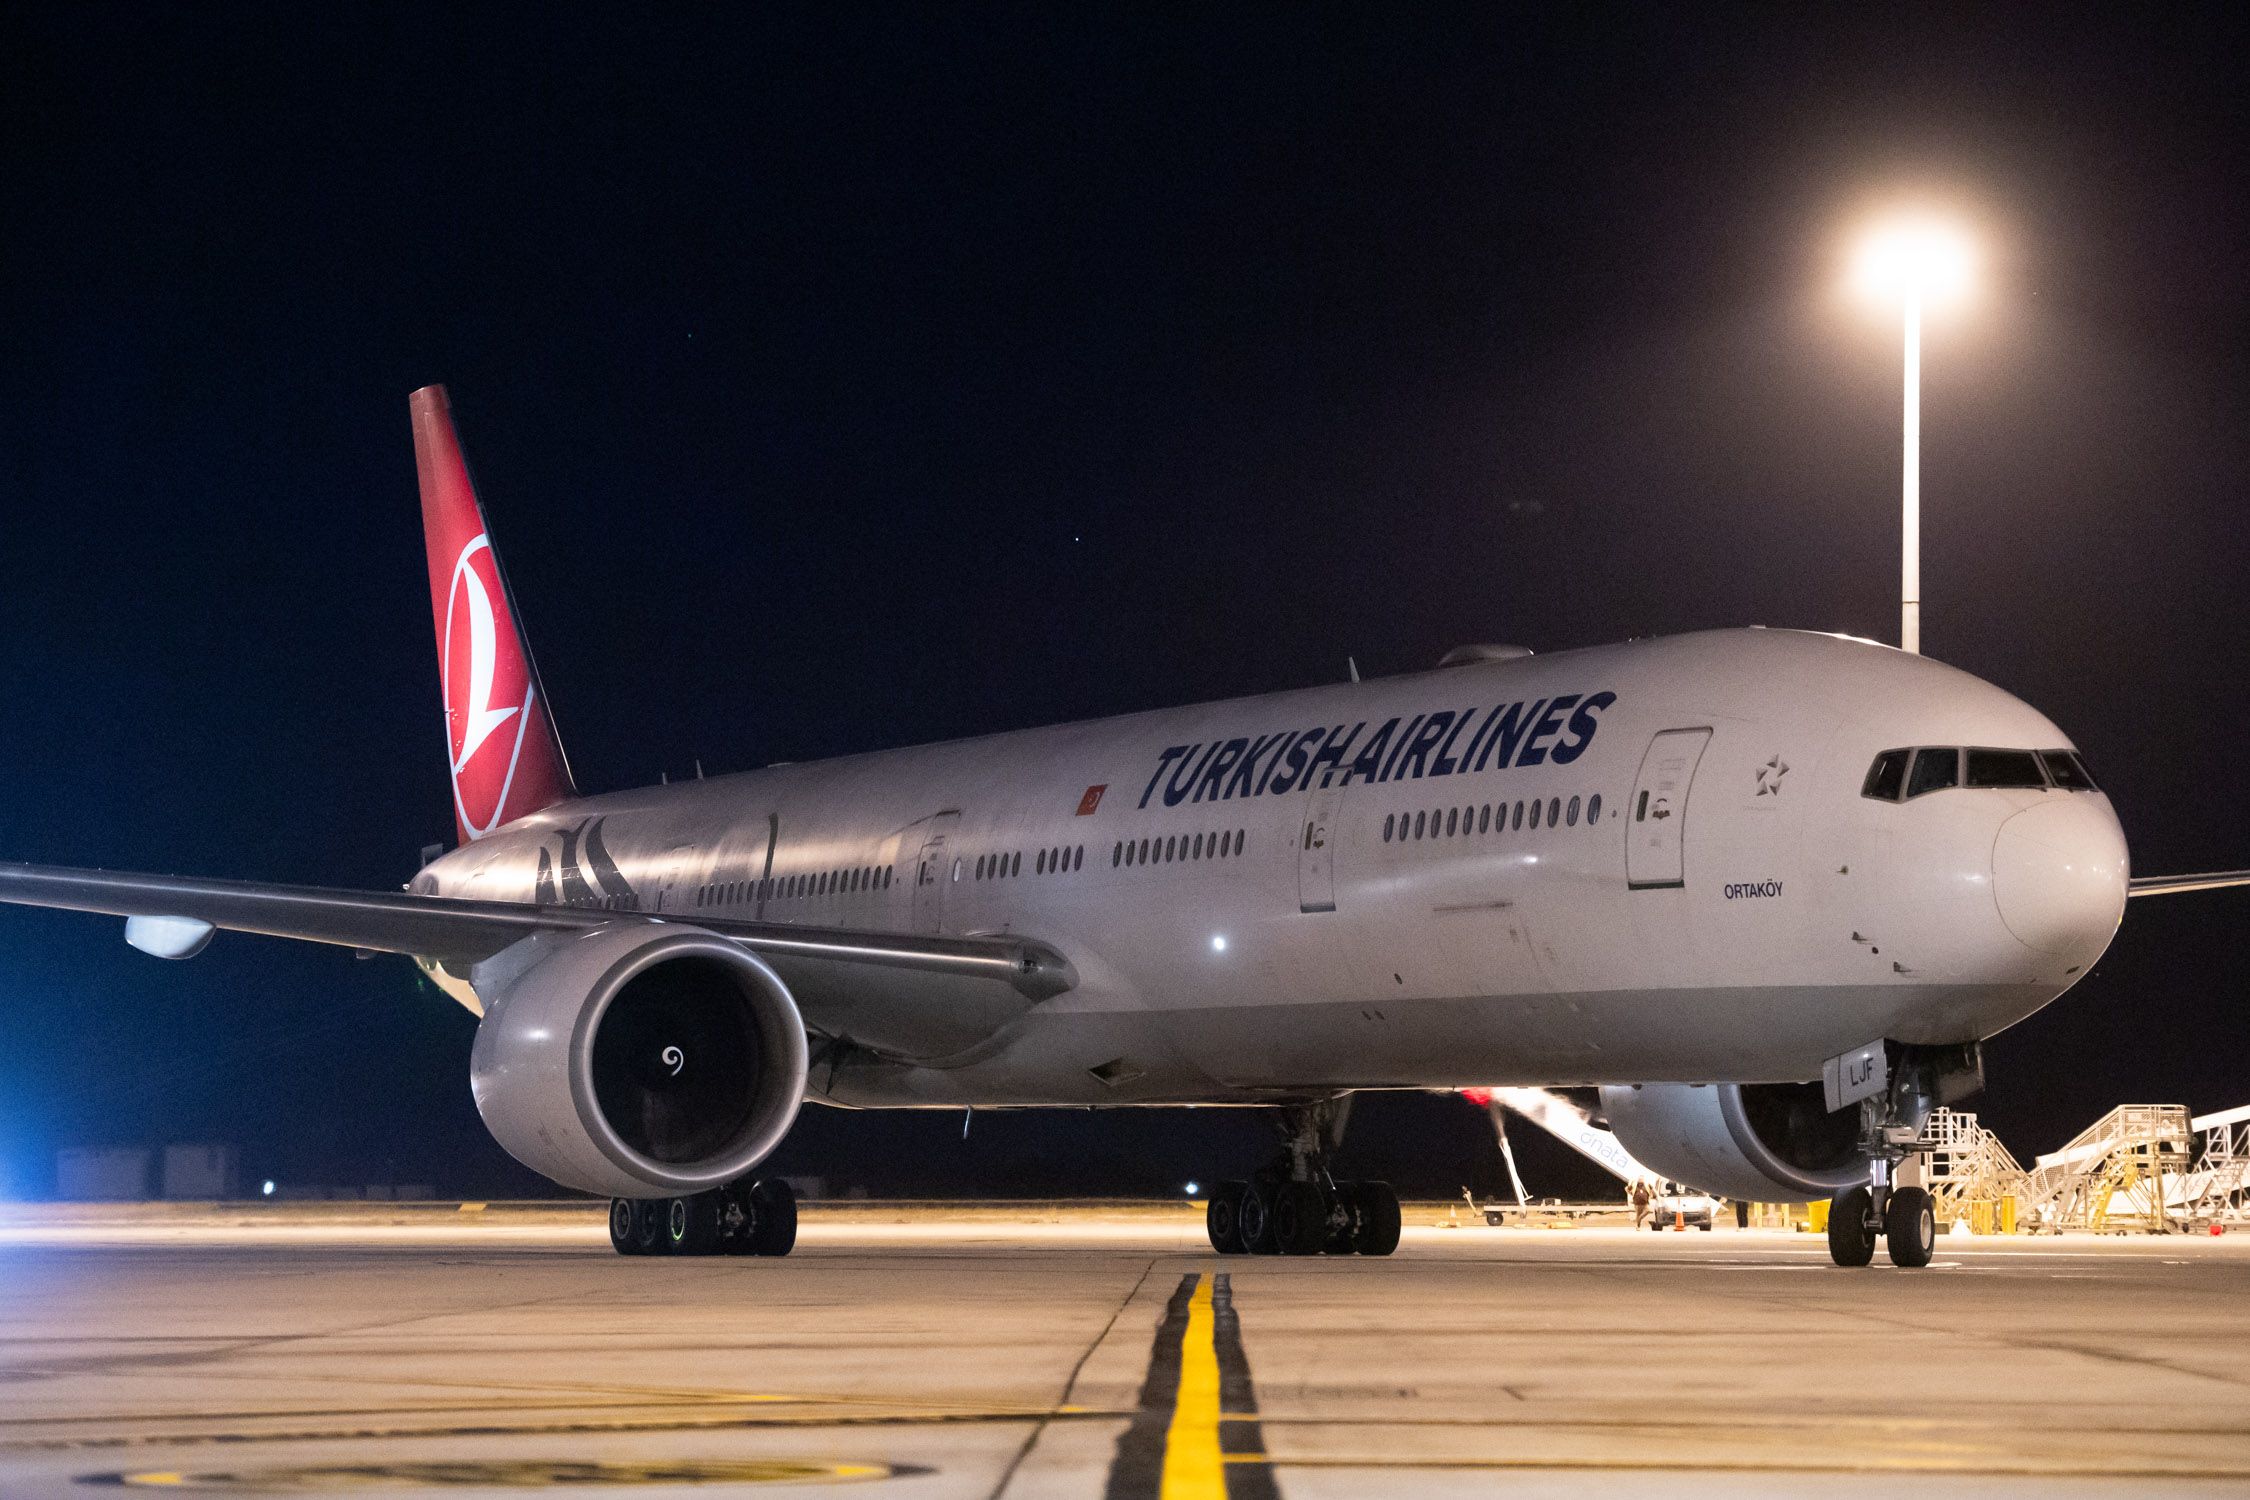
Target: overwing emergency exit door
1316 850
1656 823
933 872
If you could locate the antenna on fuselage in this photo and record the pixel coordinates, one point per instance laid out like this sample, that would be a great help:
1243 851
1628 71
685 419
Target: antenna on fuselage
1351 665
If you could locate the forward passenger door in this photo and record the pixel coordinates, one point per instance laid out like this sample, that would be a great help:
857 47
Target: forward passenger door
1656 823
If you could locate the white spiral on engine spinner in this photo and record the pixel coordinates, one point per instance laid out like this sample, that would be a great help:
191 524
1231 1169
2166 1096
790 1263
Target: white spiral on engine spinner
674 1059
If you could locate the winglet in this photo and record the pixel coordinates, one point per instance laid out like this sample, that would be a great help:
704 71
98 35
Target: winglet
501 749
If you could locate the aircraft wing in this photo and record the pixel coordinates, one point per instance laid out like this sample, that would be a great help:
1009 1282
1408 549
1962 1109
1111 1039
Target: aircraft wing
457 932
2172 885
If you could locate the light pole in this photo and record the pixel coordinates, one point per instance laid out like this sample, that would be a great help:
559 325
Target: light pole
1914 263
1910 531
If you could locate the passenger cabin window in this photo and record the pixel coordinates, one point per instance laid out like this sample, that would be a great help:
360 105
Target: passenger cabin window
2008 768
1934 770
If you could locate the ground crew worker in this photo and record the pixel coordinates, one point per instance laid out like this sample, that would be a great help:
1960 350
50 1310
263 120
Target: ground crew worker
1641 1196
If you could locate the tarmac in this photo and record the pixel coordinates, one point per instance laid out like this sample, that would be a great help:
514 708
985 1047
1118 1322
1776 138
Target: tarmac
1027 1351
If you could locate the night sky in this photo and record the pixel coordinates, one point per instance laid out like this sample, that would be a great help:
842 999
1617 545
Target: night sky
855 376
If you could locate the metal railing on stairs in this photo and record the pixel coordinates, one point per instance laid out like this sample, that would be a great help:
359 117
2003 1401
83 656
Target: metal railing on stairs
2215 1188
2121 1173
1972 1178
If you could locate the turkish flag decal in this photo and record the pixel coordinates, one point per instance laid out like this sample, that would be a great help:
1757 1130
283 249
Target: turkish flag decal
1092 800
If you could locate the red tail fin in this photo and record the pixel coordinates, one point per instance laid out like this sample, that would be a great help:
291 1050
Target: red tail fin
500 742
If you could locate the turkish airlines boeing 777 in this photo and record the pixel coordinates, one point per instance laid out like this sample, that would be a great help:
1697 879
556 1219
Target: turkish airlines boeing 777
1770 890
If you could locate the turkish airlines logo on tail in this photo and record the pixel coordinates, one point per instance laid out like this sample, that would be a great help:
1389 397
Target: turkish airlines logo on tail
487 690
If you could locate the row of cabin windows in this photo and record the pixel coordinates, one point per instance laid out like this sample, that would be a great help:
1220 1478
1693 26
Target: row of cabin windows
1490 817
1225 844
791 887
1044 862
1936 770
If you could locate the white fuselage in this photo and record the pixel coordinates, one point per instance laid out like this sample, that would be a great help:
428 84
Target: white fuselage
1736 911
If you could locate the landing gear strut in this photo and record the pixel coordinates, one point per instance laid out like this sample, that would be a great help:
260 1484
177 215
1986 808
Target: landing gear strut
1295 1206
742 1218
1921 1078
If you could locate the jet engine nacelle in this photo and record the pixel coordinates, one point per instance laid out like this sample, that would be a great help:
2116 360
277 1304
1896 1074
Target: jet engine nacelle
637 1060
1757 1143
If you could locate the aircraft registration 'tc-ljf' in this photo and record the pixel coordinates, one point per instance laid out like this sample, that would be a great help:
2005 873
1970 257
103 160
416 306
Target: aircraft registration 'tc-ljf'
1769 890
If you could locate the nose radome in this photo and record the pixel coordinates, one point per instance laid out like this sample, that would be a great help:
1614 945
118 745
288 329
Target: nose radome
2059 872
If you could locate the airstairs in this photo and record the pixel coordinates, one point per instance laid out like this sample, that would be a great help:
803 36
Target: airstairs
2215 1189
2144 1168
1971 1177
2141 1168
2125 1172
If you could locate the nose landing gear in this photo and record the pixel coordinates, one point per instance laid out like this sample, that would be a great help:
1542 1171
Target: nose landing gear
1851 1227
1295 1206
1909 1228
742 1218
1905 1223
1891 1124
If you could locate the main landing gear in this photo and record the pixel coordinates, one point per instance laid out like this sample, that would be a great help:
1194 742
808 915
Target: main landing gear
742 1218
1294 1206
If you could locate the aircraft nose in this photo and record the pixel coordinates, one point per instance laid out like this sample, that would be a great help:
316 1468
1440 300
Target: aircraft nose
2059 872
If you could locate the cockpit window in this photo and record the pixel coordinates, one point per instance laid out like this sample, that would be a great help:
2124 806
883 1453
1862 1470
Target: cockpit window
1934 770
1890 780
1887 776
2016 768
2068 771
